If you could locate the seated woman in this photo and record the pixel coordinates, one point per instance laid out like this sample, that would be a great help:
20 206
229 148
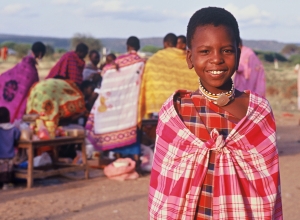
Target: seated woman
60 101
16 82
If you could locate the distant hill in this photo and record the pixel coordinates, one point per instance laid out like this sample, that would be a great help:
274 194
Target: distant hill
118 44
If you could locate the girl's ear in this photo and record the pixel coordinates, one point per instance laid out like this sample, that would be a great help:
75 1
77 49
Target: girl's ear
189 58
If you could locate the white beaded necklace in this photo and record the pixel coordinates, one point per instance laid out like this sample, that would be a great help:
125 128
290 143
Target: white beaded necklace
220 99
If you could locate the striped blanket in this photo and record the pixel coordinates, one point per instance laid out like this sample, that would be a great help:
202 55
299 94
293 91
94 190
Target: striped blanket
246 180
165 72
113 119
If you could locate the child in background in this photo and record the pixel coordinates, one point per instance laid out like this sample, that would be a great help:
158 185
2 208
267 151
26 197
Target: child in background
215 153
9 134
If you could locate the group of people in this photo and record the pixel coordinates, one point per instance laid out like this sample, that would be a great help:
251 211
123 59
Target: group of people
215 151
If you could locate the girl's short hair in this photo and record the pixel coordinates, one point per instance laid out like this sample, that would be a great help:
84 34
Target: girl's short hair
212 16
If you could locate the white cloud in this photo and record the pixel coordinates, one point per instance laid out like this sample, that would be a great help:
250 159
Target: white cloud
116 9
13 9
64 2
250 15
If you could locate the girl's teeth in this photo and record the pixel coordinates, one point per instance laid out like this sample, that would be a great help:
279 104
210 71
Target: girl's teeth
216 72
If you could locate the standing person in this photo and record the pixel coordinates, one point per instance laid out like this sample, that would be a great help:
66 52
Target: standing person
4 52
110 59
112 124
91 68
165 72
250 74
215 153
16 82
181 42
71 64
9 135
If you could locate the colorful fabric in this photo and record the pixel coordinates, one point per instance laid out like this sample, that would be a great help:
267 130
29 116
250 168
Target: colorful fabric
201 116
70 66
55 98
250 74
113 119
15 84
246 170
165 72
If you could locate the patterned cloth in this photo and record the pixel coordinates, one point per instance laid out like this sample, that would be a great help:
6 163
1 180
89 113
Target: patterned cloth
114 117
165 72
15 85
70 66
250 74
201 116
246 167
56 98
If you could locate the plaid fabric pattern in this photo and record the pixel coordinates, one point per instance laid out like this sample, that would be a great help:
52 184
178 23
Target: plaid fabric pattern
246 170
202 116
70 66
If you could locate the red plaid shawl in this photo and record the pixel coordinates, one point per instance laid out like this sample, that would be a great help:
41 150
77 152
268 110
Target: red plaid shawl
70 66
246 178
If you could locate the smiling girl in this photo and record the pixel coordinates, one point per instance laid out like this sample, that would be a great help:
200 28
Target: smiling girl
215 153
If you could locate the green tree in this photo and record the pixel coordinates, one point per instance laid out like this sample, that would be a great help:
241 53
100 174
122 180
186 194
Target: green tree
294 59
22 49
150 49
61 50
91 42
290 49
49 50
9 44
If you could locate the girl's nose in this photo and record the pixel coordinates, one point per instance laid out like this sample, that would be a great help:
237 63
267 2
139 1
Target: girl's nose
216 58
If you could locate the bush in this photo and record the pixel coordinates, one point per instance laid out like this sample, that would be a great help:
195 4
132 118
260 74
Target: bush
270 56
22 49
150 49
9 44
91 42
49 51
61 50
295 59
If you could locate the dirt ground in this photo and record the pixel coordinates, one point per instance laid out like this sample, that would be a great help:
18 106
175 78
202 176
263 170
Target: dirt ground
100 198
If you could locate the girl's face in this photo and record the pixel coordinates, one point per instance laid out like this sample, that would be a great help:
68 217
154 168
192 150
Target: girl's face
215 56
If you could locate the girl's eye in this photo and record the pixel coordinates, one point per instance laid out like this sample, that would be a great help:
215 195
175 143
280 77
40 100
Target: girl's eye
204 51
228 51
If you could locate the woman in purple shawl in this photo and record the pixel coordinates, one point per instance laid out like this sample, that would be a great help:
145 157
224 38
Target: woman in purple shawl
16 82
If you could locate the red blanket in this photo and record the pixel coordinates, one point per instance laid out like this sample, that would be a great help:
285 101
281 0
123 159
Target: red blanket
246 179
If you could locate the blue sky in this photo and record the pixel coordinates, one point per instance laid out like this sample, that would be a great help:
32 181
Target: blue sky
258 19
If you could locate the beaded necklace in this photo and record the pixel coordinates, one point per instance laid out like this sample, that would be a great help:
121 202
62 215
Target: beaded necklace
220 99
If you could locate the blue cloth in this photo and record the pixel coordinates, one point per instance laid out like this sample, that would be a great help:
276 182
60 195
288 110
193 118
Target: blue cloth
129 150
8 137
132 149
